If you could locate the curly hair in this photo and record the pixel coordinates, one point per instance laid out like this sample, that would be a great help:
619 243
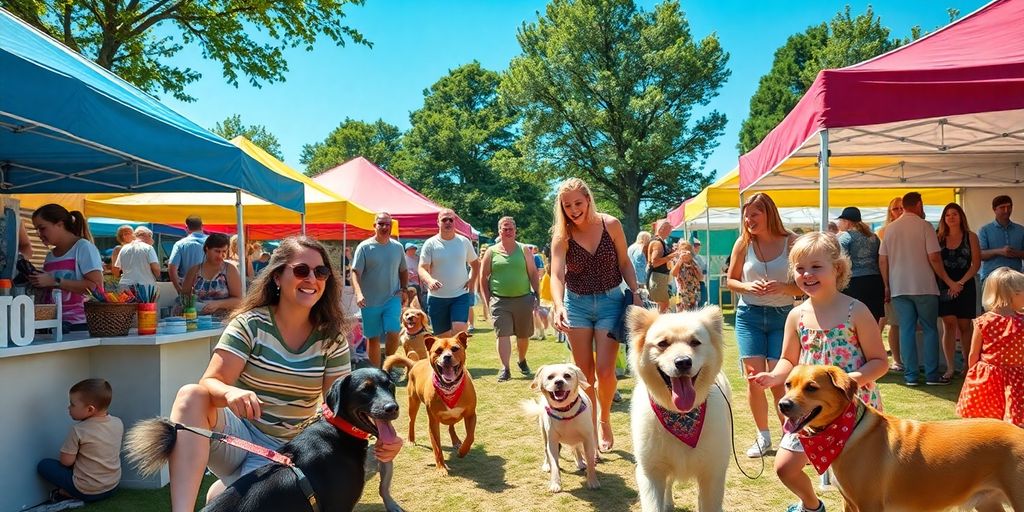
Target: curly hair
826 244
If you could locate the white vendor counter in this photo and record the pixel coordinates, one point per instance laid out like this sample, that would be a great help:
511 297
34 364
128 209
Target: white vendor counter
144 371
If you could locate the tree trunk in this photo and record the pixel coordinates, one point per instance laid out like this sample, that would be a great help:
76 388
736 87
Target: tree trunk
631 215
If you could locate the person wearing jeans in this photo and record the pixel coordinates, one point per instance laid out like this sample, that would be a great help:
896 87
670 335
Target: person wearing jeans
910 258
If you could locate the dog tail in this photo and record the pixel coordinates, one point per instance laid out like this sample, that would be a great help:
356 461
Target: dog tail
532 408
398 360
149 443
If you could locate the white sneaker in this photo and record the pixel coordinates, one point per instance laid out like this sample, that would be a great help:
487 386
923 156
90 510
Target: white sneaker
759 448
59 505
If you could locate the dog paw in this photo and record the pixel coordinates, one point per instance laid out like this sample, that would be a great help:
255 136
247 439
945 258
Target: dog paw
555 487
545 467
391 506
442 469
581 465
593 484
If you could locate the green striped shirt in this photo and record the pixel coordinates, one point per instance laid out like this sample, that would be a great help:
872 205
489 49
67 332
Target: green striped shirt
288 383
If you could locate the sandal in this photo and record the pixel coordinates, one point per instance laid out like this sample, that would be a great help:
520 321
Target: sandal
895 368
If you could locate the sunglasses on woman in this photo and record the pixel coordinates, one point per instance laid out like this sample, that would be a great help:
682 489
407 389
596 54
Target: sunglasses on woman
301 271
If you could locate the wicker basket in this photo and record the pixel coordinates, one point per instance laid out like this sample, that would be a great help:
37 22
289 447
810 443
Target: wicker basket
46 312
106 319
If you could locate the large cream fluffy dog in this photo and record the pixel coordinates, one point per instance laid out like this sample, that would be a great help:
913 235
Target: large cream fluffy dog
677 360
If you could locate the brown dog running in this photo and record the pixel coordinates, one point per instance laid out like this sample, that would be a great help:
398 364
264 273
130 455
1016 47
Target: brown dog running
443 383
414 332
895 465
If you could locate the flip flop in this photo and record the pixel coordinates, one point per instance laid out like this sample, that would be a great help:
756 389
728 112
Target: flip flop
896 368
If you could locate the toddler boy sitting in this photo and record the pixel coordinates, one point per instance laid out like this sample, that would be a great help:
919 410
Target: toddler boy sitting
89 468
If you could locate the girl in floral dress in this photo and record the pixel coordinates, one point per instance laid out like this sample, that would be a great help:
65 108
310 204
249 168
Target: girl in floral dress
829 328
994 385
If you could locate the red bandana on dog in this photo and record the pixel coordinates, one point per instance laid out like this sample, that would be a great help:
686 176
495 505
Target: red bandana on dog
450 393
685 426
823 448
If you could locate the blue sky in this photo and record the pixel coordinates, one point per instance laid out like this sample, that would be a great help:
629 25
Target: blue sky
417 42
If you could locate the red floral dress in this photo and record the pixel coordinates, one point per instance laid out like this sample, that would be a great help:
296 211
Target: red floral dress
994 387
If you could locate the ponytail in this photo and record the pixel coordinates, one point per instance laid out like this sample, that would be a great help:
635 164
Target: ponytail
74 222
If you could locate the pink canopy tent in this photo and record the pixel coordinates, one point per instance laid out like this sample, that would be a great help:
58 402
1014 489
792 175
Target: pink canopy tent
945 110
361 181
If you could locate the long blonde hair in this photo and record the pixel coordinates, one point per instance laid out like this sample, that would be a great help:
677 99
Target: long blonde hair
763 202
889 217
561 226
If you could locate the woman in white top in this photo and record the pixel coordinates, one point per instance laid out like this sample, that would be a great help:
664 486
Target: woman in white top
759 275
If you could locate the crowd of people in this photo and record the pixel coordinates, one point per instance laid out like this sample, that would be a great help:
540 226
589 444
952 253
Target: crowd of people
819 298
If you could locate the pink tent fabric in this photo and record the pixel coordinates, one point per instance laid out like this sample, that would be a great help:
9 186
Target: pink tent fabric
678 215
973 65
361 181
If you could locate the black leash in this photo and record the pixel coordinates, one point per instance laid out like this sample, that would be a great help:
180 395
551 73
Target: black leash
732 428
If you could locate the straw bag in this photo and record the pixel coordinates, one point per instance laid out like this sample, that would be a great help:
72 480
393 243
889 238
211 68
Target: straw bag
106 319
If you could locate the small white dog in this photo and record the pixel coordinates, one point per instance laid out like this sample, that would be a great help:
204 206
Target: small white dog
565 418
679 417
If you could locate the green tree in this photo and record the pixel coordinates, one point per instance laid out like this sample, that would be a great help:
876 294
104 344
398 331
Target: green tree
607 93
377 142
138 39
233 127
844 41
781 88
461 152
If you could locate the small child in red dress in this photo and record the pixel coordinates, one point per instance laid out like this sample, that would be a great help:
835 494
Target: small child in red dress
994 385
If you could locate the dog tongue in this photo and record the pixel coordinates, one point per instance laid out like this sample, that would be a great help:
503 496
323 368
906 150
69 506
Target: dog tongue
789 426
683 394
448 373
385 431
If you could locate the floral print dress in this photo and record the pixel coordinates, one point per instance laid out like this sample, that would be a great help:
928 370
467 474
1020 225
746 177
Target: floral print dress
840 347
688 286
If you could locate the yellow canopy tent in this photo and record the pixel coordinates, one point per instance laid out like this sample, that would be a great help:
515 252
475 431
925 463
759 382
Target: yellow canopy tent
723 195
322 205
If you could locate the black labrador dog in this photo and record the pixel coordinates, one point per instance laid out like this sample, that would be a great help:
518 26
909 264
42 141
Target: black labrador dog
332 460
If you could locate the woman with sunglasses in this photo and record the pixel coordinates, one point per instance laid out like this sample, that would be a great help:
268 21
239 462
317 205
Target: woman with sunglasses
893 213
216 283
282 350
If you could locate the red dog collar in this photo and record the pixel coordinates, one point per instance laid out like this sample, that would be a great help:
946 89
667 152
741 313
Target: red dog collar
343 425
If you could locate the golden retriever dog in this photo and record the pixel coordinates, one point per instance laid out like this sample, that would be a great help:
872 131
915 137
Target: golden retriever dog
679 415
892 464
564 413
414 332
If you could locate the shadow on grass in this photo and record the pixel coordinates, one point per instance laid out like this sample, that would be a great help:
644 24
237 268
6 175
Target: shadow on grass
949 392
614 495
485 470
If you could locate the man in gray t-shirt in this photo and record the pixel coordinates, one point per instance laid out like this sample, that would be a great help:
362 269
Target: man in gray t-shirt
379 275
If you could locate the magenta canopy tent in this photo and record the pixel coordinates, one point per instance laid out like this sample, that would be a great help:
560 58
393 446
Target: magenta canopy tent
945 110
361 181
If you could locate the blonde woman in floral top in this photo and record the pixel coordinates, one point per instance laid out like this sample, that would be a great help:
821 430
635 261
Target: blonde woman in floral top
829 328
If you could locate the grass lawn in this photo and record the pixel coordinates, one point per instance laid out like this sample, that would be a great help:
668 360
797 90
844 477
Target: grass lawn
502 472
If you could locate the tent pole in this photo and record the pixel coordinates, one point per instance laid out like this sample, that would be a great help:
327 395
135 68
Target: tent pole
707 253
823 177
241 238
302 222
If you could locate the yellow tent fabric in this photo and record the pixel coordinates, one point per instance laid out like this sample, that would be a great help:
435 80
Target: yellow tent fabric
322 205
724 193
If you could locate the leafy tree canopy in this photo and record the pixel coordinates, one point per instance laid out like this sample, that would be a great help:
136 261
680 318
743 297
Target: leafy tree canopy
460 151
246 37
844 41
378 142
233 127
607 92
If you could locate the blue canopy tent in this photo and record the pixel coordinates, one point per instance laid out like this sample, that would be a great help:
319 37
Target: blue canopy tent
68 125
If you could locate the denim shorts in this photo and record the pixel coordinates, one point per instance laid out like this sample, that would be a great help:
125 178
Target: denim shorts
378 320
599 311
230 463
443 312
759 330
